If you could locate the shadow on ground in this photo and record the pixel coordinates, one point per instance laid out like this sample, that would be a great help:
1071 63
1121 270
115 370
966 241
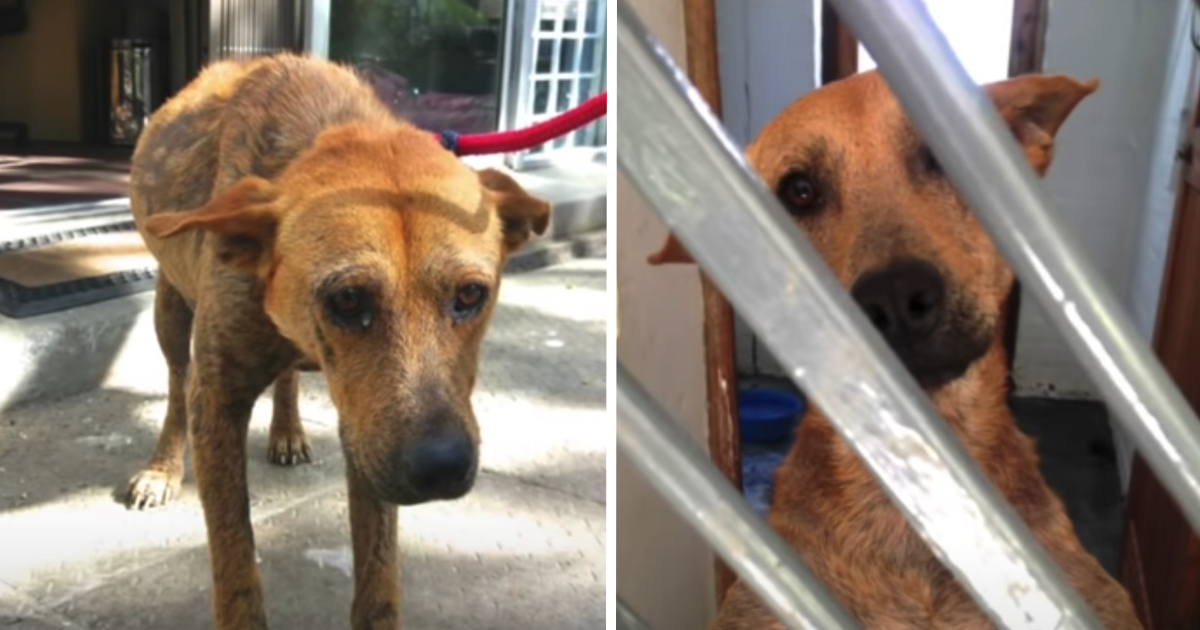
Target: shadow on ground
98 440
47 346
480 562
524 549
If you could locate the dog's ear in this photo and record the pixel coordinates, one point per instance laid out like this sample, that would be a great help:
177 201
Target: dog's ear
243 218
1035 106
521 213
672 252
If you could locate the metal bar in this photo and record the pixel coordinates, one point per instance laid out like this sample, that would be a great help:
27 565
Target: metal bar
676 467
678 155
316 27
978 152
627 619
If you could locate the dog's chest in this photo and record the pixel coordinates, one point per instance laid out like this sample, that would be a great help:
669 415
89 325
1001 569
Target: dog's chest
879 568
884 592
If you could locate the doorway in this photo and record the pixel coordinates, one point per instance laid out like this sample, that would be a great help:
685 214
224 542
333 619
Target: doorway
1161 554
1079 460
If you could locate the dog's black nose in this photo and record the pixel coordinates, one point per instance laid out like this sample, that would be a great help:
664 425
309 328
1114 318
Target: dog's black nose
904 300
441 466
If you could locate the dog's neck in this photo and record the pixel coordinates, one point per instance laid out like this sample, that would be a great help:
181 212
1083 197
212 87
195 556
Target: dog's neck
831 510
822 476
974 405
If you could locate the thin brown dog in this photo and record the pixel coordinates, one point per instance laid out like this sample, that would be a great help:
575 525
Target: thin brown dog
299 225
847 164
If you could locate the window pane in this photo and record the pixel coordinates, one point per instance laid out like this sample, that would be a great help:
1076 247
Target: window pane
541 96
592 22
587 59
564 101
437 69
566 55
570 16
545 56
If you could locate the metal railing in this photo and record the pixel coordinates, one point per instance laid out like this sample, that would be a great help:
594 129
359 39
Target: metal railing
681 472
627 619
677 154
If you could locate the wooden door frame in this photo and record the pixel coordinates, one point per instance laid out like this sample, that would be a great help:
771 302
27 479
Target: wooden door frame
724 440
839 59
1163 576
839 47
1026 55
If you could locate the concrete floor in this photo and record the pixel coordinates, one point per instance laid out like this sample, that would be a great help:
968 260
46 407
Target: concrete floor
526 549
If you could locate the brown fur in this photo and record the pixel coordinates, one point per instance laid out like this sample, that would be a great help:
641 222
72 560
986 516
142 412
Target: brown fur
269 191
884 201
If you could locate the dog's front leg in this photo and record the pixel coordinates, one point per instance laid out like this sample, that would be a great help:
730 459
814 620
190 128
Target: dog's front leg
376 572
219 418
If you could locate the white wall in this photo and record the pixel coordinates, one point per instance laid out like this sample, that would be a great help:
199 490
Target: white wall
1112 180
769 57
979 33
665 571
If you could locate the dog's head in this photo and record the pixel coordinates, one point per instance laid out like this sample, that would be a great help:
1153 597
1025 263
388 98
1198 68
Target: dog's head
379 255
851 169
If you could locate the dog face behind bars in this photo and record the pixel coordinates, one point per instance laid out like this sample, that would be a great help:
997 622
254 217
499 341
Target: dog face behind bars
854 174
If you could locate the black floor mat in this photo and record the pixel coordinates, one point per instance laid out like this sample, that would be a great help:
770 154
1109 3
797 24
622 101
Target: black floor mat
1078 459
18 301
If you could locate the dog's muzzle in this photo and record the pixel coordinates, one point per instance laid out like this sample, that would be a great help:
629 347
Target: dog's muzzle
907 302
441 465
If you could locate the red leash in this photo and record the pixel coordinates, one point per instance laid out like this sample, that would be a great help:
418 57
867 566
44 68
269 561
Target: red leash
530 137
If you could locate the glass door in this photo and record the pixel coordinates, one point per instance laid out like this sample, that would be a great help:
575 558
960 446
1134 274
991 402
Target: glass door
473 66
436 63
558 62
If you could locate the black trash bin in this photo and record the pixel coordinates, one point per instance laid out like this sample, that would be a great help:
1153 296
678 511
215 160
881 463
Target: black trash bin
130 89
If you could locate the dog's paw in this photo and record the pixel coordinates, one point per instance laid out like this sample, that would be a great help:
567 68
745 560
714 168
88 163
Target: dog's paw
289 449
152 488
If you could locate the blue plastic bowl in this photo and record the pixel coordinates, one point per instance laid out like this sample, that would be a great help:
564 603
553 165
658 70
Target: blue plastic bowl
768 415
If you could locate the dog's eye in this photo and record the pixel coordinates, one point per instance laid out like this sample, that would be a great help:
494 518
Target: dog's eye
350 307
468 301
929 161
798 194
